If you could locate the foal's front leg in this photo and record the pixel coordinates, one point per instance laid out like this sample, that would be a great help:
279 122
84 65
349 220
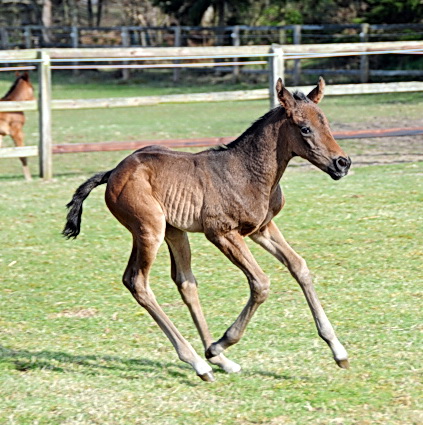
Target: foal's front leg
234 247
180 256
273 241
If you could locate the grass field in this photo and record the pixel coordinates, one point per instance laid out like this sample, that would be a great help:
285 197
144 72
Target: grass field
75 348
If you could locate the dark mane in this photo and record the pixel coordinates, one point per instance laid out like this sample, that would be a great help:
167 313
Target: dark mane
251 130
257 124
298 95
13 87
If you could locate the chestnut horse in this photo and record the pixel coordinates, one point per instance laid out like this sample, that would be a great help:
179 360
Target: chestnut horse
11 123
227 193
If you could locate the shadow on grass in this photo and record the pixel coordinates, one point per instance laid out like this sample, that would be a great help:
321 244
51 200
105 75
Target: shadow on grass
25 361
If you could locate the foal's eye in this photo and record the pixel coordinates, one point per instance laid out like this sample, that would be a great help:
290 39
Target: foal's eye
306 130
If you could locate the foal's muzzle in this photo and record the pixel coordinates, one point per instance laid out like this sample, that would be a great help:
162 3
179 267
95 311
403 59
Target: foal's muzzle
339 167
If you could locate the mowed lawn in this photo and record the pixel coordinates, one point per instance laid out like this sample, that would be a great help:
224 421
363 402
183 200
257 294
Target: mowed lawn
75 348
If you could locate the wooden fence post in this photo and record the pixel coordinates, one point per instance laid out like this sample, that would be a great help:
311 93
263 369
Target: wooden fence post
282 35
143 36
44 114
176 43
297 62
126 42
364 60
276 70
236 41
28 36
4 39
74 35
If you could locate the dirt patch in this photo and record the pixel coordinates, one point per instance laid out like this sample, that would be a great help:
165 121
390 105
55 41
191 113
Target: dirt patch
75 314
383 150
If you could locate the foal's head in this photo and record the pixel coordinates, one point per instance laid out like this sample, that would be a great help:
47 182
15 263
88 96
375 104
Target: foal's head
308 133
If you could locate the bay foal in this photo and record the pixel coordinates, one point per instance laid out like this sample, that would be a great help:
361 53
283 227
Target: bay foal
11 123
227 193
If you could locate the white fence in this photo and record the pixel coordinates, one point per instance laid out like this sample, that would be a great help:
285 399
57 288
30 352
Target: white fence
275 55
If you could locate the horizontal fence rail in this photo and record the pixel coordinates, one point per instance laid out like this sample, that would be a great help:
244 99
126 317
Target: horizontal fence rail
171 53
216 141
236 95
176 58
201 142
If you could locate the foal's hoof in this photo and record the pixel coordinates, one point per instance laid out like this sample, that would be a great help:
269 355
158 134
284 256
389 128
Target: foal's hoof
208 377
343 364
224 363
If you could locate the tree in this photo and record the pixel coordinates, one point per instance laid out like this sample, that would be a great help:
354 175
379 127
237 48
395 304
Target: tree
143 13
394 11
191 12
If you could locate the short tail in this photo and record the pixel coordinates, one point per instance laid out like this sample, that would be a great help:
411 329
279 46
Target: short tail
73 219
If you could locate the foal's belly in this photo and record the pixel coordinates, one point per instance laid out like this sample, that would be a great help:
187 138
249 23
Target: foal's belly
185 223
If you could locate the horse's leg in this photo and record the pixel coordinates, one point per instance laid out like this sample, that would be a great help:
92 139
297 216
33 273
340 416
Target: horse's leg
180 256
17 135
135 278
272 240
234 247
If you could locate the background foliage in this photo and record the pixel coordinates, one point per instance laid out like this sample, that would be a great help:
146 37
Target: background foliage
209 12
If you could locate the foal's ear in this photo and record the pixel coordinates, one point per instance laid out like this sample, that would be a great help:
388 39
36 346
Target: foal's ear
316 95
285 97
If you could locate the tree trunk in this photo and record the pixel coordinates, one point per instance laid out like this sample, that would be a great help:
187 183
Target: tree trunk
90 13
220 8
99 12
46 20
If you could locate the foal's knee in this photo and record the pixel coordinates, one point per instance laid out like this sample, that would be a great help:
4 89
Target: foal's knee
300 270
188 291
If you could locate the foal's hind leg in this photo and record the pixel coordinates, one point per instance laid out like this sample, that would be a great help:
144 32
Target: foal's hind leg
136 280
180 255
273 241
234 247
17 135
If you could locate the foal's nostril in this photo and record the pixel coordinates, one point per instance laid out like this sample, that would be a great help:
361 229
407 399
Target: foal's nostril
342 163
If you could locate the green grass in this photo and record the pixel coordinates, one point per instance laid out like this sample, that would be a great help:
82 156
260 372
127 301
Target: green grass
76 349
110 84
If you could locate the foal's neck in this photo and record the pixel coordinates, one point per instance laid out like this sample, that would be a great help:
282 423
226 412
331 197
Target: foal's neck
264 151
19 92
